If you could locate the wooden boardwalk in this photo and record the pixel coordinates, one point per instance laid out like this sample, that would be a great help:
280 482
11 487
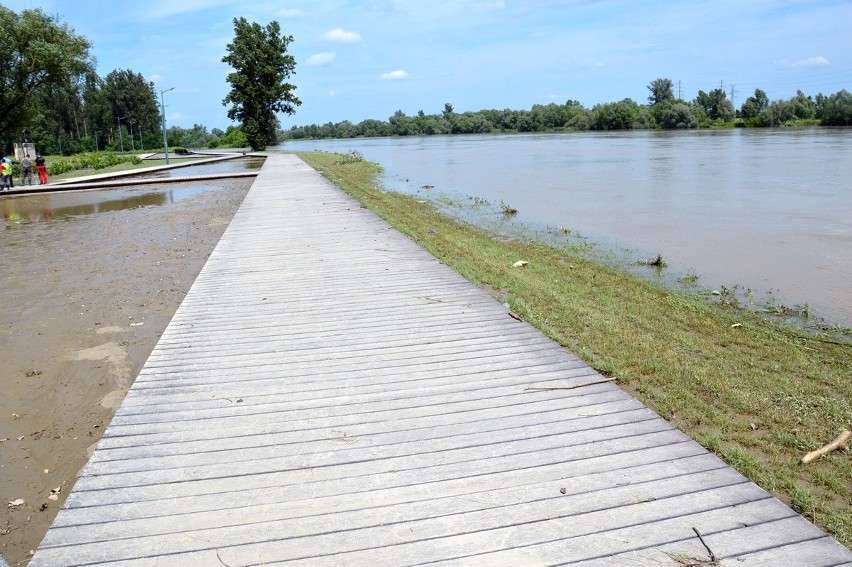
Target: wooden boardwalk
330 394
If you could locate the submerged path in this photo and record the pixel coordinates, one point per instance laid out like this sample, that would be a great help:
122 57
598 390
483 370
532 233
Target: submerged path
329 393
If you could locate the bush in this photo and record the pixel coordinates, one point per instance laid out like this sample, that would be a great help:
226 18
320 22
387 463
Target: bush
678 116
97 161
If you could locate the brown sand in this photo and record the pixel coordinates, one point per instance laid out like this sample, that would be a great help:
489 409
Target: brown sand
83 301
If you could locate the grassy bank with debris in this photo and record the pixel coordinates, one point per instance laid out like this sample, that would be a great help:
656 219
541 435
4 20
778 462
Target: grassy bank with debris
758 394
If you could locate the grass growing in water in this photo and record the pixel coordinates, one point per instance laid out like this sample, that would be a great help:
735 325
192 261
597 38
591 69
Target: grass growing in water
756 393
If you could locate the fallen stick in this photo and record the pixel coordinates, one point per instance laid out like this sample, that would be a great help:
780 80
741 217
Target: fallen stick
839 442
580 385
707 547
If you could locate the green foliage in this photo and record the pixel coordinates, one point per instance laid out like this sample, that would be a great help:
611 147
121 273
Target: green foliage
678 116
803 106
708 110
234 138
126 95
94 161
195 137
754 105
40 53
661 90
837 110
258 91
716 105
615 115
51 94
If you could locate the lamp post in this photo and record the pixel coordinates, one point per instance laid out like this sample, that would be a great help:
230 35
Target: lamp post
120 137
163 108
132 141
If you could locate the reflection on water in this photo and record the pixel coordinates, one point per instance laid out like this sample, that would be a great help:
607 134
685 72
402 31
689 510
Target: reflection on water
64 205
22 209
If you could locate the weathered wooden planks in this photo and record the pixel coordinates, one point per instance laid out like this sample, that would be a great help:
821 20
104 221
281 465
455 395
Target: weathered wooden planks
330 394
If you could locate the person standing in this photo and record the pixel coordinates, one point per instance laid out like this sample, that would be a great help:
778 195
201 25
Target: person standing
27 169
42 170
5 174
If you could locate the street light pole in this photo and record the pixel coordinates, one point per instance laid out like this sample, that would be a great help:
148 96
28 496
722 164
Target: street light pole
132 141
120 137
163 109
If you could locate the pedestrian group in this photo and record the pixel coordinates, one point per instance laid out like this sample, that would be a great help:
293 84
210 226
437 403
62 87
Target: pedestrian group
6 181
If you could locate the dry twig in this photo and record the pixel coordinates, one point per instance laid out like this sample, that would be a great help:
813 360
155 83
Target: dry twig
573 386
838 442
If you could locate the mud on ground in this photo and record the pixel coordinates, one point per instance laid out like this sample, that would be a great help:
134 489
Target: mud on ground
83 301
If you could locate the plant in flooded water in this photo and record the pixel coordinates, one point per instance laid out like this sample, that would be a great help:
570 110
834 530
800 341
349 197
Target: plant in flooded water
507 209
655 262
689 279
354 156
714 371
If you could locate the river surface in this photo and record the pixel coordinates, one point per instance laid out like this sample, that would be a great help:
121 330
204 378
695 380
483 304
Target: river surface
765 210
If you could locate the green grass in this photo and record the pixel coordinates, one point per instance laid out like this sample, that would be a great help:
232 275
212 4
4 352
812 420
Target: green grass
122 167
756 393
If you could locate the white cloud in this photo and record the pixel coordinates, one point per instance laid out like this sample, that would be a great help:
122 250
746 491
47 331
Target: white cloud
340 35
809 62
395 75
318 59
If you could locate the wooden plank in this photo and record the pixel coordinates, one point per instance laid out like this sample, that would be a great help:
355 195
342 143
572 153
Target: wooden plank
328 393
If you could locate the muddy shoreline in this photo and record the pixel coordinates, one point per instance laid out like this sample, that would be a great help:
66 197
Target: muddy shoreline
83 300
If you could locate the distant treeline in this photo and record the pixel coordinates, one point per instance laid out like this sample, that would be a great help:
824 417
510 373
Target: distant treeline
663 111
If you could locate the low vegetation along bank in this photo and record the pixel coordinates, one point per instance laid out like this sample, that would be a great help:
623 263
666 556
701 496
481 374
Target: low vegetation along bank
756 393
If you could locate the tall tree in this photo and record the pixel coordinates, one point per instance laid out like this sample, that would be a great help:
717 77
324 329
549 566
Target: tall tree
128 96
38 52
258 88
661 90
716 105
838 109
754 105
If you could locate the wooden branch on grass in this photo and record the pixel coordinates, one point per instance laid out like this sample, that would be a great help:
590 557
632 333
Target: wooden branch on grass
839 442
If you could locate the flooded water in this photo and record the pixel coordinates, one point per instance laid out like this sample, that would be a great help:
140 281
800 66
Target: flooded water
224 166
768 210
20 209
38 207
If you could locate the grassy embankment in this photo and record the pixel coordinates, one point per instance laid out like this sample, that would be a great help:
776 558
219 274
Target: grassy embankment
756 393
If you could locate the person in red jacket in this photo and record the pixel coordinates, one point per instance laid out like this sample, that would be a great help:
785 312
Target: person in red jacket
42 170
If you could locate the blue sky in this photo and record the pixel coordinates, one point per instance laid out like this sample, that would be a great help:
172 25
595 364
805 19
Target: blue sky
359 60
